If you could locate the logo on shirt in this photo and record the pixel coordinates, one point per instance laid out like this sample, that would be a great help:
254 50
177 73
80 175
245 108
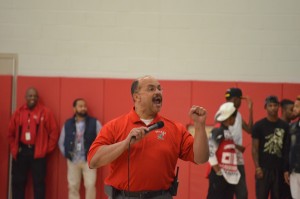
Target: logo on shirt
160 134
227 135
274 142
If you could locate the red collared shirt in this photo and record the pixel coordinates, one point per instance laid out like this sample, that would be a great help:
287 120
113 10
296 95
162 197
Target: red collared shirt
152 160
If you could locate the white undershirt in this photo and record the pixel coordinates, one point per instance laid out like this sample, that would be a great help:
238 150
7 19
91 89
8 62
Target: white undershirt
147 122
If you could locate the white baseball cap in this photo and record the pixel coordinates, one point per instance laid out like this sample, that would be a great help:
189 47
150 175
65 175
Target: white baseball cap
225 111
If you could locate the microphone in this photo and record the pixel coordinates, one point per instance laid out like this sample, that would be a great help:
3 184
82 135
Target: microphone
155 126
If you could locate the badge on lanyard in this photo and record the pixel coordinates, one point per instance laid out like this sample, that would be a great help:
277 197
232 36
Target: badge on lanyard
27 136
78 146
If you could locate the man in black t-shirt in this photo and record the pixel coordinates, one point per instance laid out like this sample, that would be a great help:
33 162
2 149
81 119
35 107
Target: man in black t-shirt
268 138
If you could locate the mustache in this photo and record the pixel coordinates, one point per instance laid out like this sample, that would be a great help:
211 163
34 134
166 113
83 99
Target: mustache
84 114
157 97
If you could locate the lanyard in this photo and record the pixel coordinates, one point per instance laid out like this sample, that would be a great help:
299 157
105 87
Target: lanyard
28 122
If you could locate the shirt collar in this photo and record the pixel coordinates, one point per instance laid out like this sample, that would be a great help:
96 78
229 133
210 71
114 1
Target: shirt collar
25 107
136 119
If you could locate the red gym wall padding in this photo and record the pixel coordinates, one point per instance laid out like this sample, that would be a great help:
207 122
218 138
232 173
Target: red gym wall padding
290 91
5 112
109 98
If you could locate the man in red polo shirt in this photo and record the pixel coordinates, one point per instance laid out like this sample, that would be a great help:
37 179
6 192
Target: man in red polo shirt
32 134
142 164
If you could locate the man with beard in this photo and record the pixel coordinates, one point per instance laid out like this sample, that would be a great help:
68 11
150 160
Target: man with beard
32 134
77 135
268 149
287 114
142 164
292 168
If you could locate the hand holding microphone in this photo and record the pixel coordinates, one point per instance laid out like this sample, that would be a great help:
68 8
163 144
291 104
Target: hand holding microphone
138 133
155 126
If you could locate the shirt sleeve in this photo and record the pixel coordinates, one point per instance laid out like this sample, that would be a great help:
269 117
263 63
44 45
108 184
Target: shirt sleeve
61 141
53 132
105 137
187 141
98 127
212 153
286 148
213 147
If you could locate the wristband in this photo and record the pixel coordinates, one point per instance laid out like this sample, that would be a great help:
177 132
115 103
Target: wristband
258 169
219 173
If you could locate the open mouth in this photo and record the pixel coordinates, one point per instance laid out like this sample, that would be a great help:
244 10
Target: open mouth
157 99
32 102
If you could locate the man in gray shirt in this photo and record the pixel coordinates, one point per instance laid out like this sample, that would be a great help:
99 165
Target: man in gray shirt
76 137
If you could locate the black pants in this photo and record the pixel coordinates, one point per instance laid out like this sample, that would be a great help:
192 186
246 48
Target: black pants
20 169
113 193
285 191
165 196
219 188
272 183
240 190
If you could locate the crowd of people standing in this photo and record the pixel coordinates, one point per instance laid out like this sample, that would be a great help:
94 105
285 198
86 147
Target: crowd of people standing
123 142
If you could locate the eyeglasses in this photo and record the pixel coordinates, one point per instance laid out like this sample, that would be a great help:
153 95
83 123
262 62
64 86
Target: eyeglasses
152 88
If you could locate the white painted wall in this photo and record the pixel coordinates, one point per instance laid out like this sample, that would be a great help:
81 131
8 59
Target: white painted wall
235 40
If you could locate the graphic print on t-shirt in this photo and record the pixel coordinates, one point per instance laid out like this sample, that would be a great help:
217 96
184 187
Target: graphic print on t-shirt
274 142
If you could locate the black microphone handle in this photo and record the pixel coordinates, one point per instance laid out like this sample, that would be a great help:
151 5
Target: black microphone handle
157 125
152 127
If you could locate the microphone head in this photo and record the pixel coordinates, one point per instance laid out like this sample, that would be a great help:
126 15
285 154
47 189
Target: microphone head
160 124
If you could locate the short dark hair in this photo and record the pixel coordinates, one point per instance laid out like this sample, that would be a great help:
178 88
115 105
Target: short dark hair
76 100
286 102
271 99
134 86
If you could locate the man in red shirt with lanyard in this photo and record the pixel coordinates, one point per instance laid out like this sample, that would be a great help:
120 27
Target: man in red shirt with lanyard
32 134
142 165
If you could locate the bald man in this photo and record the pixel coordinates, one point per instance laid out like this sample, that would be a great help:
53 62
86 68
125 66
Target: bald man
32 134
142 164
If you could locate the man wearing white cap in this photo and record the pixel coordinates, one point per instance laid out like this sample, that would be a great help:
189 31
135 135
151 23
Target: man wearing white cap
222 155
235 95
